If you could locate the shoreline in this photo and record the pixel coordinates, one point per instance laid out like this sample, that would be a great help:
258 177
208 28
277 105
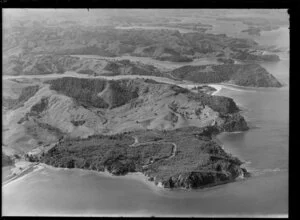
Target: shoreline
137 176
29 169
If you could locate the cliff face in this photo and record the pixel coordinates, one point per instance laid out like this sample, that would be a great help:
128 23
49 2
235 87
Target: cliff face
240 74
234 122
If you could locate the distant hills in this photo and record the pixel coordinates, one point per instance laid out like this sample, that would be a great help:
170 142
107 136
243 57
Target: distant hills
239 74
107 41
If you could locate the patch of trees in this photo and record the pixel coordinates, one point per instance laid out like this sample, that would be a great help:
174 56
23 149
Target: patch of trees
221 104
239 74
110 152
199 75
84 91
121 93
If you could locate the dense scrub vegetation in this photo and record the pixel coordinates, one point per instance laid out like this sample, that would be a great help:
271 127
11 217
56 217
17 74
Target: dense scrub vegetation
201 74
111 152
26 94
126 67
84 91
239 74
121 93
169 157
40 106
221 104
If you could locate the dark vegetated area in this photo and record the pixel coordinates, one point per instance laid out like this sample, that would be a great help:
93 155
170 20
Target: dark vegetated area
26 94
78 123
122 93
160 154
131 68
40 106
221 104
239 74
84 91
113 66
197 74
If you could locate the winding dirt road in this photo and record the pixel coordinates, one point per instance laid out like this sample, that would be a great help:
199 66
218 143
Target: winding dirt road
174 149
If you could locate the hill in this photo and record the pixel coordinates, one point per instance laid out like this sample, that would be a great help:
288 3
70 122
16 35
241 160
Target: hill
239 74
76 107
183 158
107 41
48 64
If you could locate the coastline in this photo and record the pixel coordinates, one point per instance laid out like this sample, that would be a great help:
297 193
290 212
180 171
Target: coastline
137 176
27 170
34 167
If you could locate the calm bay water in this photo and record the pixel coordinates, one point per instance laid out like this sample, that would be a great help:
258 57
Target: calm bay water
264 147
